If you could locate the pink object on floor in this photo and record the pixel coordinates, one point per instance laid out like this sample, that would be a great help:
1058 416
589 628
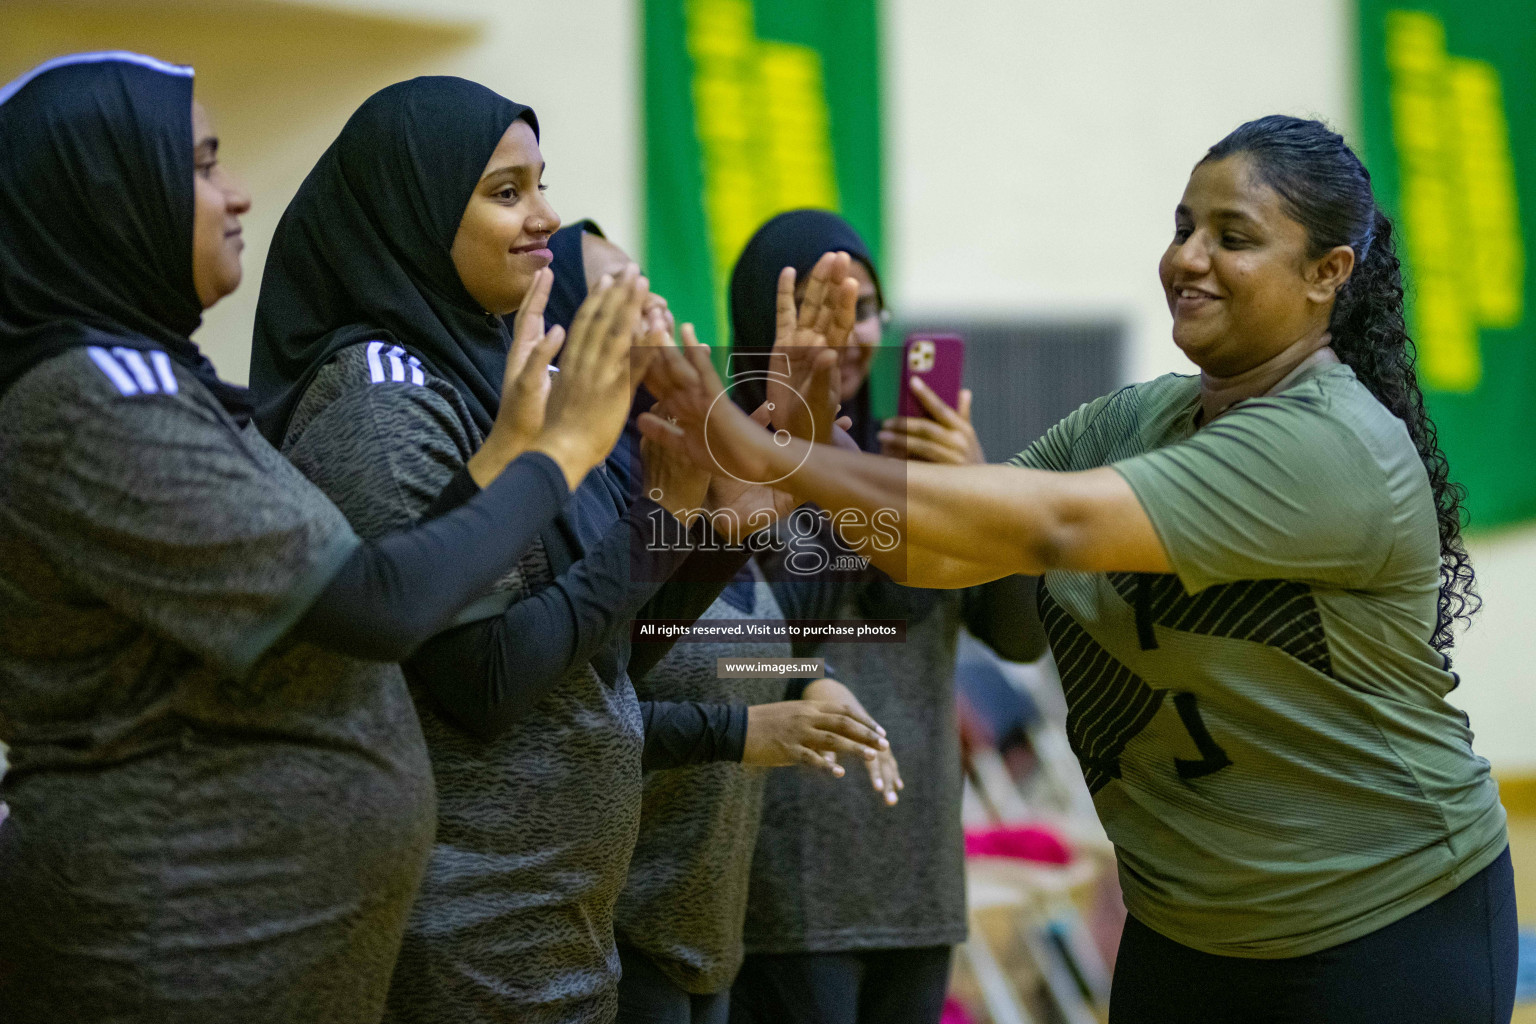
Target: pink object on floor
1020 842
956 1013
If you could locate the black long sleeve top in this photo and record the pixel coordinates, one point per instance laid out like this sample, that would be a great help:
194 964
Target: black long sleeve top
487 673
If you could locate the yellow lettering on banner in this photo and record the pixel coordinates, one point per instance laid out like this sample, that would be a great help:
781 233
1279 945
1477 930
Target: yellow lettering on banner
1459 209
797 129
764 128
1497 270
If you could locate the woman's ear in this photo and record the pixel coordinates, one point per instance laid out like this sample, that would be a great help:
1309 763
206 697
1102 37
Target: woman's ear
1330 273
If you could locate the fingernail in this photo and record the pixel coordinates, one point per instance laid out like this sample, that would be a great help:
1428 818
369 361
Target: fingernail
890 798
884 743
880 729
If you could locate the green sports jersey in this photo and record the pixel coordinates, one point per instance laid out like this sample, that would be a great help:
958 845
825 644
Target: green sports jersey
1265 730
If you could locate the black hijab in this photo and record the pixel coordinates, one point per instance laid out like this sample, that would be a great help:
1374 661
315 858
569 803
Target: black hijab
796 239
96 214
566 294
363 251
569 290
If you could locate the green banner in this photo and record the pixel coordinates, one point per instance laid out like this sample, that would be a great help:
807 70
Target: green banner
752 109
1449 112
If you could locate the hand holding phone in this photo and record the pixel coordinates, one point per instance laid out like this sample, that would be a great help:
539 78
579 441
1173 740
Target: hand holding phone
938 360
934 421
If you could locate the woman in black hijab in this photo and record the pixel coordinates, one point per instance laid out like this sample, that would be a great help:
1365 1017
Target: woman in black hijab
678 919
798 239
379 337
221 802
856 901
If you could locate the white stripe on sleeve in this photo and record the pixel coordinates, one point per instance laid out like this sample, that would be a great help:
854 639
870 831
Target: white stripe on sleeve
396 364
375 367
115 373
134 360
418 375
162 364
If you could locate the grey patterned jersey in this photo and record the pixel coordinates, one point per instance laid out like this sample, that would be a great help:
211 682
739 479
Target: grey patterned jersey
835 868
535 828
209 824
686 897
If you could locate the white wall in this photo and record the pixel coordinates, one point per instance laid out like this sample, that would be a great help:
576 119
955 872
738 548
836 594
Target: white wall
1037 150
1497 656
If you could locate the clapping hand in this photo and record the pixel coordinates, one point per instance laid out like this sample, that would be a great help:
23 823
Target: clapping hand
699 419
806 341
524 385
672 478
589 403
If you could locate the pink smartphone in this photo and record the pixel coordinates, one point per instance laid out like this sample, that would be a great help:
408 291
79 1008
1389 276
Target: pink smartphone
938 359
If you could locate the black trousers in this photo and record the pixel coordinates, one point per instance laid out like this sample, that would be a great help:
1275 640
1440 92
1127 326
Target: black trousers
647 996
1452 962
886 986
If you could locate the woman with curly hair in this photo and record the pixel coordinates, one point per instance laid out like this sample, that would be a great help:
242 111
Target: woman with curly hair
1250 579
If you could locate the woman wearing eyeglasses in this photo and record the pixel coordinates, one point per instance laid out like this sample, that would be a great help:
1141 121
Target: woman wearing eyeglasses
856 897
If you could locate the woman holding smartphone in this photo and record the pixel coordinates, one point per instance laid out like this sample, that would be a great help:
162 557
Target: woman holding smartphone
678 920
856 897
1251 579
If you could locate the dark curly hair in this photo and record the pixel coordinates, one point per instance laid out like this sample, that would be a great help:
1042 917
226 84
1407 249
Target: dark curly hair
1326 188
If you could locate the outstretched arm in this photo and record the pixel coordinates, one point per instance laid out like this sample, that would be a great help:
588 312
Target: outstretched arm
965 525
954 523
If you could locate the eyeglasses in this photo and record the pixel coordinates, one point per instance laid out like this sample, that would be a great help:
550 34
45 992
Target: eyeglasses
869 307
